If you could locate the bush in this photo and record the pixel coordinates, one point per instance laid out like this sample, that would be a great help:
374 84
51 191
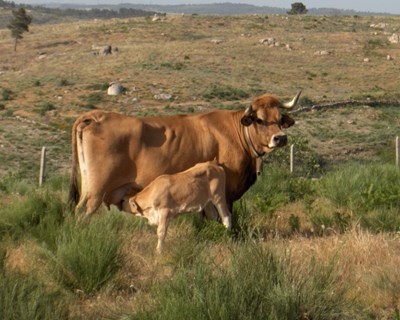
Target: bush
64 82
225 93
87 254
44 107
7 94
256 284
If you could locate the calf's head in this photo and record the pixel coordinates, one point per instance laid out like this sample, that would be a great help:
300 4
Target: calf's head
134 207
264 122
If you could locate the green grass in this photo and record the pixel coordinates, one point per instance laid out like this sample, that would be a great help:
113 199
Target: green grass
363 187
87 255
364 194
23 298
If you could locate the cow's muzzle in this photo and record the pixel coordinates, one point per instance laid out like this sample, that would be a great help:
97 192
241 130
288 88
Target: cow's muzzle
279 140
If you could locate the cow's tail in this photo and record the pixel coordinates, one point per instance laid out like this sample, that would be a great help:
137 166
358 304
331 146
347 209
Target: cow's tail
74 195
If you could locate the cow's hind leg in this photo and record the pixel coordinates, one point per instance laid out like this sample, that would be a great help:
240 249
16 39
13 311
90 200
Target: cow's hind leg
87 206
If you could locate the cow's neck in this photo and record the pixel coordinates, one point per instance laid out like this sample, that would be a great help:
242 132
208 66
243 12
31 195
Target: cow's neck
247 145
250 144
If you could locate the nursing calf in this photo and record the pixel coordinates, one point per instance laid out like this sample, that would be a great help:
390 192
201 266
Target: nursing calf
170 195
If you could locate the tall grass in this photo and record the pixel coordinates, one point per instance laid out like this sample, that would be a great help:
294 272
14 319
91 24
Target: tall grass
22 297
256 284
87 255
38 216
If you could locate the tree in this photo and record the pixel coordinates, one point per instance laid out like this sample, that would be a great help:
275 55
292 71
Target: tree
298 8
19 24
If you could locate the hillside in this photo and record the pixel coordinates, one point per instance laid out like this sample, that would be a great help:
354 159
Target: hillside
54 75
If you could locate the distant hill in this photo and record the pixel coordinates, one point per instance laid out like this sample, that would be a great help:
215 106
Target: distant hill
225 8
57 12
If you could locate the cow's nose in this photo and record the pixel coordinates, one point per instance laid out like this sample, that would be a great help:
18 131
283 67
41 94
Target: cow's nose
280 140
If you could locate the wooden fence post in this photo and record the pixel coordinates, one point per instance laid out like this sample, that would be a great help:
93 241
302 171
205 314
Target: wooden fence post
292 158
397 152
42 166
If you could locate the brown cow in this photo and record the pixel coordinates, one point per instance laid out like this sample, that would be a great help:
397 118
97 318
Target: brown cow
119 155
170 195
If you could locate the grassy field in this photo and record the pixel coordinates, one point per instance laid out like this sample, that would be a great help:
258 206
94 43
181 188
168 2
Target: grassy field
321 243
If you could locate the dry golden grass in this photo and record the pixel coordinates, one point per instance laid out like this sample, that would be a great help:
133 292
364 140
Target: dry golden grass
367 261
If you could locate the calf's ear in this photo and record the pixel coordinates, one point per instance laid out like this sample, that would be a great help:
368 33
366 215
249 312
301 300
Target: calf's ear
134 205
287 121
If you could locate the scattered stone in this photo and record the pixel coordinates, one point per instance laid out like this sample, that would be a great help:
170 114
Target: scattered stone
268 41
156 18
394 38
323 53
367 60
216 41
379 25
115 89
389 57
163 96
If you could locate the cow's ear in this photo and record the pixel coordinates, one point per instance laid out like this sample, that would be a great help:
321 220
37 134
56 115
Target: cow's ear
247 120
286 121
248 117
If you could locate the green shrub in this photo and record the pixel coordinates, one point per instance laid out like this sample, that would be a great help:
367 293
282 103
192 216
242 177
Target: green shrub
45 106
225 93
256 284
92 98
64 82
7 94
87 254
98 86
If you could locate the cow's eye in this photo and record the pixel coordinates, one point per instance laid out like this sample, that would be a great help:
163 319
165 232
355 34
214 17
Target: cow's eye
260 121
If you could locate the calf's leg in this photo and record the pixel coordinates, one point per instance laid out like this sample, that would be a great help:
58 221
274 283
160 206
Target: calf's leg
224 213
163 221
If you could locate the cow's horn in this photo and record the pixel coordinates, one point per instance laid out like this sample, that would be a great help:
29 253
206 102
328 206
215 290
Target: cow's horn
291 104
249 110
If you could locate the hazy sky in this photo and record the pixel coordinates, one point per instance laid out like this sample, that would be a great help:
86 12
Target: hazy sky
389 6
